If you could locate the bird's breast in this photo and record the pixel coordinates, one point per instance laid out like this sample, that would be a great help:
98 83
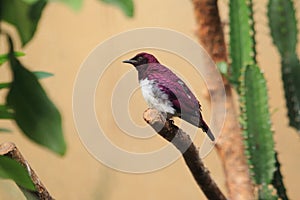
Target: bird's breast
155 97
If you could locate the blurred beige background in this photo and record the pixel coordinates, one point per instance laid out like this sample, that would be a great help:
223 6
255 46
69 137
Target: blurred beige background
64 39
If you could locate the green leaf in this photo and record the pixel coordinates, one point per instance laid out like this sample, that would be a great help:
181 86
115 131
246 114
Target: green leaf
4 57
30 1
29 195
256 124
74 4
242 37
126 6
11 169
41 74
4 85
277 181
38 74
5 130
223 68
5 112
283 25
34 112
24 16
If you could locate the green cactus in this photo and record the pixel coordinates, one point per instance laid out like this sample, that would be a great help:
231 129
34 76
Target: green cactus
283 25
242 41
266 192
256 124
252 90
277 181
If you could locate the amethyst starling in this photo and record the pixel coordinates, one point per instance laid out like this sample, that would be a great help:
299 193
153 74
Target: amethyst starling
166 92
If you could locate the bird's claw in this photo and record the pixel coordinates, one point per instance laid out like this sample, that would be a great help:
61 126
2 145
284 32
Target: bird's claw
171 121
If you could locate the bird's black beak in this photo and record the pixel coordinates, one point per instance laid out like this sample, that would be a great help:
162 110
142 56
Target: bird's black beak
130 61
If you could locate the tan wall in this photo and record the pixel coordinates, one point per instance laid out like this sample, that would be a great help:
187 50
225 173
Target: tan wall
63 40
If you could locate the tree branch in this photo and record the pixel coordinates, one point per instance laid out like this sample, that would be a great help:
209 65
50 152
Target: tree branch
230 142
10 150
183 143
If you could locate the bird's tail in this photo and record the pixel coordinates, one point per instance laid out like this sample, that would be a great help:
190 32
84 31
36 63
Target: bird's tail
207 130
201 124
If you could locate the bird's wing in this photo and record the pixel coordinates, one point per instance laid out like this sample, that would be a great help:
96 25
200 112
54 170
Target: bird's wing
183 100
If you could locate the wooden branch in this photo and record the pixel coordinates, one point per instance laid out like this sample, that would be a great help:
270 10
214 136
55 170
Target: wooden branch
230 142
184 144
10 150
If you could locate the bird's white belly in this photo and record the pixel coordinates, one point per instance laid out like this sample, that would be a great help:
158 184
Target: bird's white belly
155 98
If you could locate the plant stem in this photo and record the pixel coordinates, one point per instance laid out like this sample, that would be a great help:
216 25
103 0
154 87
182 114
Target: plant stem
184 144
230 142
10 150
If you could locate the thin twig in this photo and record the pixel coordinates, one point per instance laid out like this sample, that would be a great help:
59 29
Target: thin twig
183 143
230 142
10 150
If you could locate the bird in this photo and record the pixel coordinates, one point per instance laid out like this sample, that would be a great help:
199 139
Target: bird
164 91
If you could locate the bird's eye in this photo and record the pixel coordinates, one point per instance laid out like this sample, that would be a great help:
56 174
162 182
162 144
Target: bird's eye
140 58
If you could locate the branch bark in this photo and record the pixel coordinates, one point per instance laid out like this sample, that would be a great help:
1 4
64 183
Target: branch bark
10 150
183 143
230 142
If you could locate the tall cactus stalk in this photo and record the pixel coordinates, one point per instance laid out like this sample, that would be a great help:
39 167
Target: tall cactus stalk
283 25
252 90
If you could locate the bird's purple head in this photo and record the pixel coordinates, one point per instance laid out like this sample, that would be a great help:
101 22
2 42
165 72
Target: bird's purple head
141 59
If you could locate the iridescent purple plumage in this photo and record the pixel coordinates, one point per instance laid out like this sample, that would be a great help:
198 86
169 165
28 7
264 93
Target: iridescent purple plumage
165 91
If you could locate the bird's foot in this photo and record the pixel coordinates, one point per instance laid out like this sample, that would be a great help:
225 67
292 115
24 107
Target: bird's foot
171 121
